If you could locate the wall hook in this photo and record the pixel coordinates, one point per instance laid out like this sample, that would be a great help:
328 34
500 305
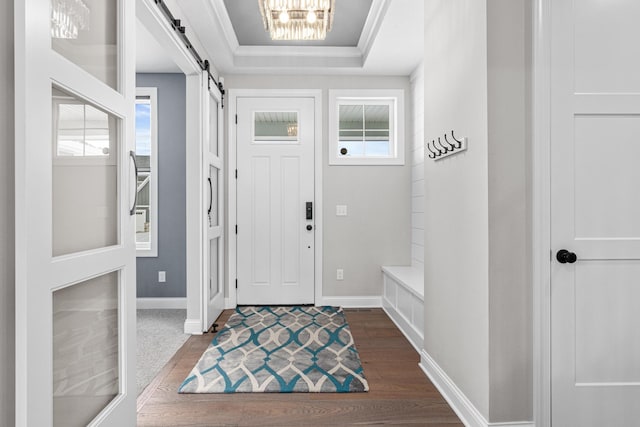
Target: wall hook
446 149
435 147
457 140
433 154
453 146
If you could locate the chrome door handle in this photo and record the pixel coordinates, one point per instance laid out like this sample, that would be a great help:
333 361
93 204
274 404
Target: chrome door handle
132 211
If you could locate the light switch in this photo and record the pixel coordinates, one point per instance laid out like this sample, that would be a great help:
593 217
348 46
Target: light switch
341 210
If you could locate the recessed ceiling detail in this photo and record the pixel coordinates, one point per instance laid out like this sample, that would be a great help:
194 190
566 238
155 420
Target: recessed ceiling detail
383 37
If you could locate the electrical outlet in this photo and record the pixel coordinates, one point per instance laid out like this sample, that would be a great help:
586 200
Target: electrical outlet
162 276
339 274
341 210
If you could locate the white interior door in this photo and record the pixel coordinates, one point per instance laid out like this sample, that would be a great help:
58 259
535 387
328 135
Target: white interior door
75 187
595 147
213 248
275 196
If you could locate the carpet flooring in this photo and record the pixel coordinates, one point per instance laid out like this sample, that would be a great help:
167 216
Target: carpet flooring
160 335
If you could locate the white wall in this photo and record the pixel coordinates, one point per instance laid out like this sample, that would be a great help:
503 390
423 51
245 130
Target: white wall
377 230
477 291
417 168
456 195
510 286
7 276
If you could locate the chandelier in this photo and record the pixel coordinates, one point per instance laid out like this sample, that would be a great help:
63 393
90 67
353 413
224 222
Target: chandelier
68 17
297 19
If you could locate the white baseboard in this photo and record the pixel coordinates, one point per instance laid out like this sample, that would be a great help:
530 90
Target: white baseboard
460 404
346 302
518 424
166 303
193 327
351 302
411 334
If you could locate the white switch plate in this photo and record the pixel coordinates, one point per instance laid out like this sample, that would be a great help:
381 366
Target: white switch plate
339 274
162 276
341 210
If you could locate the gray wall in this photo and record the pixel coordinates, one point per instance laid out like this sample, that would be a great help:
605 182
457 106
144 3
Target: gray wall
7 276
377 230
171 190
477 291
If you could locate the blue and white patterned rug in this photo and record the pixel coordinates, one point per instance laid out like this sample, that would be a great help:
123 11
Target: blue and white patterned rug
280 350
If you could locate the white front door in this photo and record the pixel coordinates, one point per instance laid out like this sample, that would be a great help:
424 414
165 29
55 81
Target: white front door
275 200
75 213
595 178
213 250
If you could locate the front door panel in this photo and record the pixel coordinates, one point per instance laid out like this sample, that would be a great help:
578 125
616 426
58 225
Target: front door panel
275 183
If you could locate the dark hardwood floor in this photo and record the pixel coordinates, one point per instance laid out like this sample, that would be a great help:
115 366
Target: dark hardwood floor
400 394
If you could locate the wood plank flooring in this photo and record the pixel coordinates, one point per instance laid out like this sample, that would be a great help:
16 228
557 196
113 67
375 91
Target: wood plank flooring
400 394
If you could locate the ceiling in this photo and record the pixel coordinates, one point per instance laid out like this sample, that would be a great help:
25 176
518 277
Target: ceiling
369 37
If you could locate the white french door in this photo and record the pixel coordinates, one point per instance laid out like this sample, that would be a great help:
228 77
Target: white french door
75 187
595 235
275 200
213 250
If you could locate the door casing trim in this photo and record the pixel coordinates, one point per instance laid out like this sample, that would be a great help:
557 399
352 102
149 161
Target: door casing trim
234 94
541 211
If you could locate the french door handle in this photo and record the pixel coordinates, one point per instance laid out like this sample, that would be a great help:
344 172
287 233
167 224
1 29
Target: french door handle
210 196
132 211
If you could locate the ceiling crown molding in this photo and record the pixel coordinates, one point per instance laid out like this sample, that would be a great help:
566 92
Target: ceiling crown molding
236 58
372 26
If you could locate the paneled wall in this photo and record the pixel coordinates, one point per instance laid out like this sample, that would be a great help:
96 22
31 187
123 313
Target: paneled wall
417 168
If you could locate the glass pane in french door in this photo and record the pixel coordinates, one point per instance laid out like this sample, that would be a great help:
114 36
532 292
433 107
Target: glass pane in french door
213 207
213 127
214 282
85 350
85 175
86 33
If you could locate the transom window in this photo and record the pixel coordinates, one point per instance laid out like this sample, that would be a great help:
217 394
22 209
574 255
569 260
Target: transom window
366 127
279 127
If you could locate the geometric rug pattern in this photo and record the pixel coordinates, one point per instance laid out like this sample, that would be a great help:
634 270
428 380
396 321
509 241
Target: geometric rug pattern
280 350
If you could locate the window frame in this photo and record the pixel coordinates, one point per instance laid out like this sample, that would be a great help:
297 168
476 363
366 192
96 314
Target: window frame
142 250
394 98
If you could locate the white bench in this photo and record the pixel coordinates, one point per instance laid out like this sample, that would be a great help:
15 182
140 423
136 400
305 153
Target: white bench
403 300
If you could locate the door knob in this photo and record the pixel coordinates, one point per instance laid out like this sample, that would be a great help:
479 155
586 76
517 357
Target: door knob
309 227
564 256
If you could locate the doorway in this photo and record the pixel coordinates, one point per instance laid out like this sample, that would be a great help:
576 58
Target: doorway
587 298
275 188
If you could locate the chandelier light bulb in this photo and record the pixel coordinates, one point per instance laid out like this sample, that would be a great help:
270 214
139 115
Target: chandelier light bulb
311 17
295 19
284 17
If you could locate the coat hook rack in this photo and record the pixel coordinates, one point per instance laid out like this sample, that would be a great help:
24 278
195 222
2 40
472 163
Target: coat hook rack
439 150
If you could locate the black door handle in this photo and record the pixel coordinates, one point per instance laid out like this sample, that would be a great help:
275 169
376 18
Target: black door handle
564 256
